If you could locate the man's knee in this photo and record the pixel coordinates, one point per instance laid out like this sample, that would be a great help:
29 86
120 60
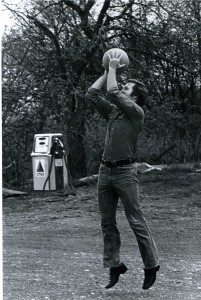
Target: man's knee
107 223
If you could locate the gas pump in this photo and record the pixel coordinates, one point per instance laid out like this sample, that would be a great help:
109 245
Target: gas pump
49 161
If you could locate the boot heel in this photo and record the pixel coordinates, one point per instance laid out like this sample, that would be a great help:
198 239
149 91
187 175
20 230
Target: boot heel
123 269
115 273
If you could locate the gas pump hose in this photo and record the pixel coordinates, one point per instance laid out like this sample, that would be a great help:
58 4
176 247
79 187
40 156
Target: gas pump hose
69 175
68 172
49 172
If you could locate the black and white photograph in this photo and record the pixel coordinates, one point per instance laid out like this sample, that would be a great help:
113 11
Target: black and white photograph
101 149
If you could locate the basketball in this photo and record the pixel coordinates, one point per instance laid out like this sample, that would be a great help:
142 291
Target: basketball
124 59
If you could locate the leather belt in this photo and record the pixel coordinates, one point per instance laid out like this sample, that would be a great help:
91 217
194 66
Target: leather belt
117 163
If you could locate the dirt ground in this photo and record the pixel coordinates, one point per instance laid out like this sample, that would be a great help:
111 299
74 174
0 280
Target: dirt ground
52 243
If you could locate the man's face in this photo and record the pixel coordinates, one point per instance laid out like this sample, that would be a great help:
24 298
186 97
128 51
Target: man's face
128 88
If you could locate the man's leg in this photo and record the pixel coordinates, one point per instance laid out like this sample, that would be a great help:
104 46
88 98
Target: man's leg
108 200
139 226
126 185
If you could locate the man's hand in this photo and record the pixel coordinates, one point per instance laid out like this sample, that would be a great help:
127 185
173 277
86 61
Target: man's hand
114 63
114 60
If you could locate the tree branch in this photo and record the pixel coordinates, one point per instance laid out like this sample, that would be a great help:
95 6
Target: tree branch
160 57
53 38
102 14
83 14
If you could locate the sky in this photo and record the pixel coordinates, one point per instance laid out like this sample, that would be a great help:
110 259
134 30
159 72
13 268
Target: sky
6 18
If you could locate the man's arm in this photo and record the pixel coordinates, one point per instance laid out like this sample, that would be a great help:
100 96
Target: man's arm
99 83
114 63
94 96
127 106
123 102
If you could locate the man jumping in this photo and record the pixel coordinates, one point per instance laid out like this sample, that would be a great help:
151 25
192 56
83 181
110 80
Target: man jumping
118 174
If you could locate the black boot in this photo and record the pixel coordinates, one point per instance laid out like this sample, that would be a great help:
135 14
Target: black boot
115 273
150 277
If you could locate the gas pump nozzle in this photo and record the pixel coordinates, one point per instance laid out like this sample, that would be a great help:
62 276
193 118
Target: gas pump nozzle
57 148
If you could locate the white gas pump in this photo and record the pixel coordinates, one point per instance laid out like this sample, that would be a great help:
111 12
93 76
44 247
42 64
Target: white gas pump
49 161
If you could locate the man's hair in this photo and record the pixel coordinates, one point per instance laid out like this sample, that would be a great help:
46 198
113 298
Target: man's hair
140 91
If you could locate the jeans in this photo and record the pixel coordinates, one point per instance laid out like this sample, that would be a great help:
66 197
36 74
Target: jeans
121 182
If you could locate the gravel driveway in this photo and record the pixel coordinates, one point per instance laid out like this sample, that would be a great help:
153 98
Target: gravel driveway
53 243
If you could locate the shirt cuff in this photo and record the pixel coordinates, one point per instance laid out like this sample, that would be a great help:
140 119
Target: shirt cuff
94 91
114 90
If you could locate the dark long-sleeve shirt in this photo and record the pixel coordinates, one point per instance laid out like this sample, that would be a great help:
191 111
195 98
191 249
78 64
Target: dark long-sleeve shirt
125 119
